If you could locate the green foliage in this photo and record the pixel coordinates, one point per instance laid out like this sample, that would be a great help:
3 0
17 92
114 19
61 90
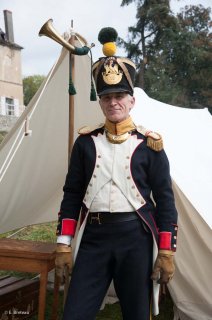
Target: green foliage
172 53
30 85
152 18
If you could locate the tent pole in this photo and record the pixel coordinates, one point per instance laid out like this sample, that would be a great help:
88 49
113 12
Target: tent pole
71 99
70 138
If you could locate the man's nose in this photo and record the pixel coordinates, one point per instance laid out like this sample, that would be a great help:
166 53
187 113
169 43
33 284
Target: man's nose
113 101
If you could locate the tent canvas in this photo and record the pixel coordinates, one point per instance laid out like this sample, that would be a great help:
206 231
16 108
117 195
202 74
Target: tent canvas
186 134
33 169
31 187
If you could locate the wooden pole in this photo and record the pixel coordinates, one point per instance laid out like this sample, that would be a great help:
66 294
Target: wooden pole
57 280
71 99
70 139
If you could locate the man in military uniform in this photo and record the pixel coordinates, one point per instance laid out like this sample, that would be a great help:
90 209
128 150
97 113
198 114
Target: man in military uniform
119 187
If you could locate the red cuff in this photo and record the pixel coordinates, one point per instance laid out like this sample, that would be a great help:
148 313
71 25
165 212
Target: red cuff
165 240
68 227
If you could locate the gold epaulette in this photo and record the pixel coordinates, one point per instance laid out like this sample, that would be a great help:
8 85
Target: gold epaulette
154 139
86 129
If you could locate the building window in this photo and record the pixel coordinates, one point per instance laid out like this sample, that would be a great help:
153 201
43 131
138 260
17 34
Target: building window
10 107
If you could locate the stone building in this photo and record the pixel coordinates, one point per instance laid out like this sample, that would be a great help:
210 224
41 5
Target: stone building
11 84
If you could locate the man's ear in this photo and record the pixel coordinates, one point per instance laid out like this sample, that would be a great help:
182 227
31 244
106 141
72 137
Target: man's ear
132 101
100 103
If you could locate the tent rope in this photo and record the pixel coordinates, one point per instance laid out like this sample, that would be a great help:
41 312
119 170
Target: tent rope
10 160
11 150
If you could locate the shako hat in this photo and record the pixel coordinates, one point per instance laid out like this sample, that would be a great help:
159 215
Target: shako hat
112 73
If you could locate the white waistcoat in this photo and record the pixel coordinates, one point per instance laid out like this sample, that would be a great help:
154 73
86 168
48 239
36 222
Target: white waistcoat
113 163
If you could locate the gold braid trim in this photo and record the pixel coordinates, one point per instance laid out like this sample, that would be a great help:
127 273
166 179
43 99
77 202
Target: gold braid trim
121 127
116 139
119 132
156 145
154 139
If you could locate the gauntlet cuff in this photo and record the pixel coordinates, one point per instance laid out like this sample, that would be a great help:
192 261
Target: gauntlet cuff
62 248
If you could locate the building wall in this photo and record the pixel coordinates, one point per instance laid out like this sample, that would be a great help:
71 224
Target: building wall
7 122
11 84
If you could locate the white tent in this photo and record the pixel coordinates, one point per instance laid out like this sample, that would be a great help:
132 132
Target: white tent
187 134
33 169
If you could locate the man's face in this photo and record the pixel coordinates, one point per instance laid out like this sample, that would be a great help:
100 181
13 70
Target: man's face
116 106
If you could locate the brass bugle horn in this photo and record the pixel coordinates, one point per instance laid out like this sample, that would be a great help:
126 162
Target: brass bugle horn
49 31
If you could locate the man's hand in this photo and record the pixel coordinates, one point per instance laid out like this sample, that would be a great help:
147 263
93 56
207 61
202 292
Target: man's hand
164 266
63 259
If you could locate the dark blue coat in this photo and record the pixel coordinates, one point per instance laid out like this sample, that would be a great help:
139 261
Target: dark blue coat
150 172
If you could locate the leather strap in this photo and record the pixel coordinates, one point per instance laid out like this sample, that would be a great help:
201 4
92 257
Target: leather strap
126 72
108 217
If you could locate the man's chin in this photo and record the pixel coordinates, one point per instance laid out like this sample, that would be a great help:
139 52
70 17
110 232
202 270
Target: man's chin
114 118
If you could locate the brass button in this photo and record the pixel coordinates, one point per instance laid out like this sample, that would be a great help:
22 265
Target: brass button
90 184
126 167
127 157
128 177
99 156
94 176
97 165
133 187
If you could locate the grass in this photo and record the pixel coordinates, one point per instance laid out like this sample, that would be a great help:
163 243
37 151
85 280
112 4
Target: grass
2 135
41 232
46 233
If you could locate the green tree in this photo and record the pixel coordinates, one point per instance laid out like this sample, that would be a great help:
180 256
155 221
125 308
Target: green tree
173 53
30 86
152 17
180 65
196 21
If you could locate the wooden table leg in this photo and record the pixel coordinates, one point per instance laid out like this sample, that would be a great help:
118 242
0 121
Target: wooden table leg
66 285
42 295
55 303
